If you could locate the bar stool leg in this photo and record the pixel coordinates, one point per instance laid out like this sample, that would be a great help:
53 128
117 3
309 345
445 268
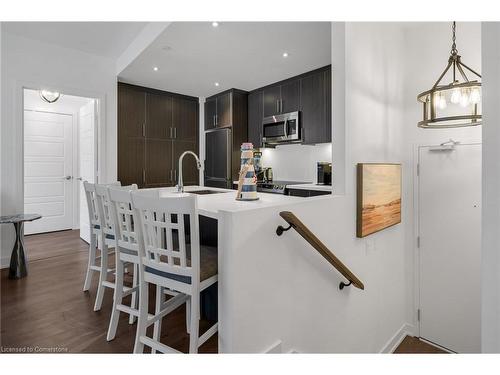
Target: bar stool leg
195 320
91 262
103 276
142 321
117 300
134 301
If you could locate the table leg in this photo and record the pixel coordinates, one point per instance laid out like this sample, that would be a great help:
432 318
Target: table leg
18 267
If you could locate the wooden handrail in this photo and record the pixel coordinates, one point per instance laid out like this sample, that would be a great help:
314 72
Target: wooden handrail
299 226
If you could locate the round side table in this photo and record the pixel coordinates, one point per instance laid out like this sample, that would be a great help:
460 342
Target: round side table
18 267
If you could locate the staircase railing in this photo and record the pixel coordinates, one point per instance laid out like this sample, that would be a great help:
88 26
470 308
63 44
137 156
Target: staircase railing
314 241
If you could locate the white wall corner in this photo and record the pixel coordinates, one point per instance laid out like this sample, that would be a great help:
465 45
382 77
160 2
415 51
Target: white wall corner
147 35
391 345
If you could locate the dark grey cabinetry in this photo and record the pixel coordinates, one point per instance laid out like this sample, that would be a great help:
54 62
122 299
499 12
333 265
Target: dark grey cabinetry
307 193
282 98
218 111
309 93
315 107
255 116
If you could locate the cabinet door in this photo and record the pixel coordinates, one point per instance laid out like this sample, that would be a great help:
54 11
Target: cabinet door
185 119
158 116
255 116
272 96
190 174
313 108
328 104
290 96
131 112
131 161
210 113
224 115
158 166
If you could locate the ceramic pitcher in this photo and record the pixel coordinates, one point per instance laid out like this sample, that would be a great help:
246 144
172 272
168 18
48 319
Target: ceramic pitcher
247 182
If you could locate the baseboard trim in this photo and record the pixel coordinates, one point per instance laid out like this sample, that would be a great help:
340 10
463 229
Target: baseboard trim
4 262
391 345
275 348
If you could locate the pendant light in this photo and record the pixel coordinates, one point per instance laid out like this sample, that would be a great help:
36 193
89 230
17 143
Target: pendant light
456 104
49 96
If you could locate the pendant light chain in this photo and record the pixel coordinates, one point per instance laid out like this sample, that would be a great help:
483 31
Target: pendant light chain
454 50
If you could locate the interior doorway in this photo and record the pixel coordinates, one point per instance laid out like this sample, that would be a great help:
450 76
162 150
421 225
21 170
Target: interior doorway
60 152
449 242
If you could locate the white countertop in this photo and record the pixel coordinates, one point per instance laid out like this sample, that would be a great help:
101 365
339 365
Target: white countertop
311 187
210 204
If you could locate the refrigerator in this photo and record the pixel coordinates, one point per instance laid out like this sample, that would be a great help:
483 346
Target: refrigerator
218 150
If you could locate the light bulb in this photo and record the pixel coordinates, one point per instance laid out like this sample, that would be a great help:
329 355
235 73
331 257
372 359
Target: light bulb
440 101
475 96
464 98
455 96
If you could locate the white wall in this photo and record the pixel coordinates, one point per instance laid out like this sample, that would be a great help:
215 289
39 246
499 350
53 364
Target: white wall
427 46
34 64
301 304
490 278
296 162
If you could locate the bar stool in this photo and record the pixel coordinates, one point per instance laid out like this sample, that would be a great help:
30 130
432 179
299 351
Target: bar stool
108 239
95 234
167 259
126 252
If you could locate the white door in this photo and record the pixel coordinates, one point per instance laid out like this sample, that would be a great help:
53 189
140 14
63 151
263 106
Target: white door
450 245
87 161
48 170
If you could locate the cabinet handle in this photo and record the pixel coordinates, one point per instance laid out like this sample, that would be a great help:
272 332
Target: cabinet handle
216 119
281 106
175 175
143 129
277 106
213 122
143 176
170 132
171 173
175 133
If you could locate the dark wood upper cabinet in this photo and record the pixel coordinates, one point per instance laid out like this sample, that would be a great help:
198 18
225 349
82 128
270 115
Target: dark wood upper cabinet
210 112
290 96
131 111
272 97
185 119
255 116
309 93
154 127
158 116
312 107
224 113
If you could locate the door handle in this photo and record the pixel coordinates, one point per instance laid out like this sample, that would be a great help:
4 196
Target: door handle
67 177
79 178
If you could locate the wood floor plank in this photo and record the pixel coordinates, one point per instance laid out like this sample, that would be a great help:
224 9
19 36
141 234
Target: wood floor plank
48 308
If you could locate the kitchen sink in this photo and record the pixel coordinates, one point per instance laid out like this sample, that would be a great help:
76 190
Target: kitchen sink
205 192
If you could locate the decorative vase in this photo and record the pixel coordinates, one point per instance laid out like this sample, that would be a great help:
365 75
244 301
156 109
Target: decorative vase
247 182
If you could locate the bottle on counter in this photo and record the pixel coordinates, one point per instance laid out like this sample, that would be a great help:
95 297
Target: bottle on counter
247 181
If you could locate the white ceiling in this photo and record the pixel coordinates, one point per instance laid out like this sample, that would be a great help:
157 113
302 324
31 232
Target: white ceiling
192 56
108 39
65 104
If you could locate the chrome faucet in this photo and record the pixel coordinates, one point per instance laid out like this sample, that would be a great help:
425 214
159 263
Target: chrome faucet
180 185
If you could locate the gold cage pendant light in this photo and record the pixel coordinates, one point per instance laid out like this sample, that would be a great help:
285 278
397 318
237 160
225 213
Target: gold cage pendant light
457 104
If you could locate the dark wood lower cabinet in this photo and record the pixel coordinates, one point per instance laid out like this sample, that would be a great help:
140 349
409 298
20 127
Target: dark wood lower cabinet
307 193
190 173
158 166
131 160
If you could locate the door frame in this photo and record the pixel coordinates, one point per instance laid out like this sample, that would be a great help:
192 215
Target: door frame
99 141
416 225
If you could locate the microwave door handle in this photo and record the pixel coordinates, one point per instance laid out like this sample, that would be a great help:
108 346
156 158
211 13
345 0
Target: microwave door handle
285 128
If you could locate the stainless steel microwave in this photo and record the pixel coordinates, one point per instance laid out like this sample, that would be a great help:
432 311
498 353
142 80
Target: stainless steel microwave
284 128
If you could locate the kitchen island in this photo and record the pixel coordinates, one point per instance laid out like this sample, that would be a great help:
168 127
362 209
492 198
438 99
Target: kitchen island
256 268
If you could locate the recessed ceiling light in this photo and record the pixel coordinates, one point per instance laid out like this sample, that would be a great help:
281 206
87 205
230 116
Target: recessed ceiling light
285 54
155 68
215 24
216 84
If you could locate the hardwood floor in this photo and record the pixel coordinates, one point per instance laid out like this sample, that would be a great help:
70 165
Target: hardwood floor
48 309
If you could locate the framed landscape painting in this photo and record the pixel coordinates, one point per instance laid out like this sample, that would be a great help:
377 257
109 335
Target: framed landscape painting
378 197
